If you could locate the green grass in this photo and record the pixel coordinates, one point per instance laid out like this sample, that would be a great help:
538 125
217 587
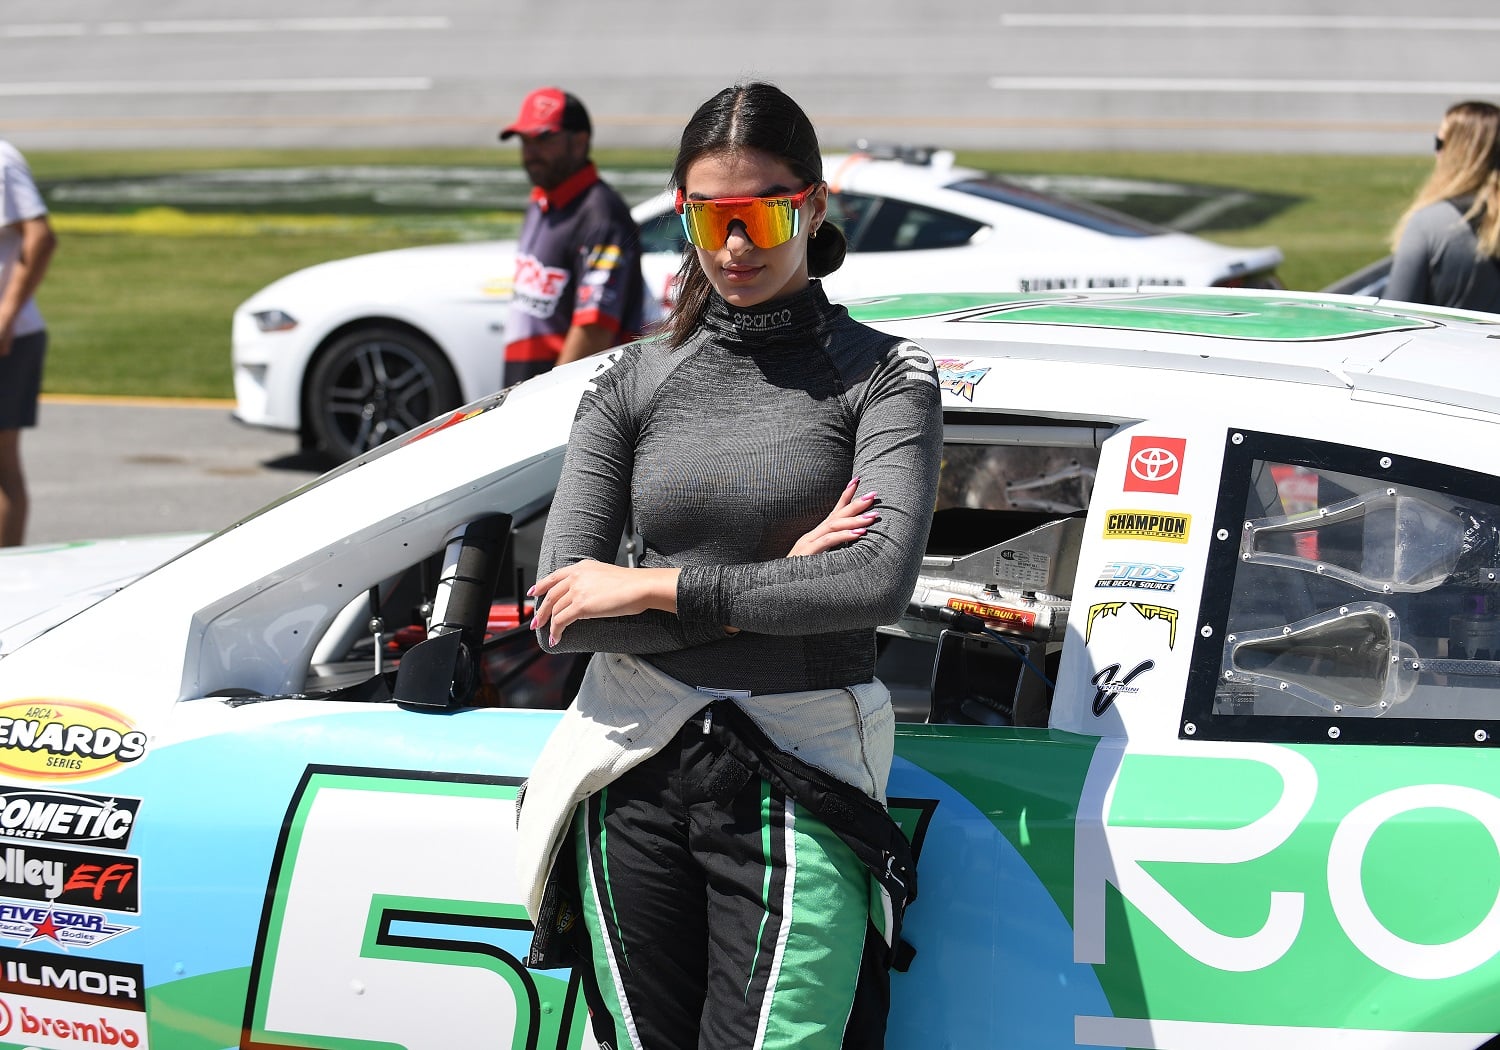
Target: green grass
140 302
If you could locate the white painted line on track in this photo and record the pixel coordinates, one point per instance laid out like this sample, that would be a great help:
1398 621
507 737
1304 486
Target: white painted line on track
298 25
320 85
200 26
1246 85
43 30
1396 24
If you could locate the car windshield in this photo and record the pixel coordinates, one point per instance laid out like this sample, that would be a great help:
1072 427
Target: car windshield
1080 213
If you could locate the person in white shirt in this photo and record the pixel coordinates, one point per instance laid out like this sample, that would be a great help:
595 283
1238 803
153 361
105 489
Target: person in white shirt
26 246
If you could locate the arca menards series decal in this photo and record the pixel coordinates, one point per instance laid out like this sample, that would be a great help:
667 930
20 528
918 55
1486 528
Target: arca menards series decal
65 740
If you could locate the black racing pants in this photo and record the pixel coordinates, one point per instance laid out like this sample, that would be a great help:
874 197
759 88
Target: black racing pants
723 915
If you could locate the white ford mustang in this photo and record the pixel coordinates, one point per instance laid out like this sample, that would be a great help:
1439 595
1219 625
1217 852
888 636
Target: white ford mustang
1196 698
350 353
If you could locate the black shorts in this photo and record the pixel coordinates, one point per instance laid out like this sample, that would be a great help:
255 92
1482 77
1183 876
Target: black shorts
21 380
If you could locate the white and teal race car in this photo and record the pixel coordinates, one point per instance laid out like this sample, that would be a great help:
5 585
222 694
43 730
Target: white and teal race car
1198 689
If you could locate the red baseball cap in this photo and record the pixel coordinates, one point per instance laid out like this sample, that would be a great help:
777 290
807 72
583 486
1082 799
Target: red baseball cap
549 109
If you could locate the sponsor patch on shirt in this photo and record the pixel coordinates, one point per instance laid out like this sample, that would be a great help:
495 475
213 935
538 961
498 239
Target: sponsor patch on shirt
538 287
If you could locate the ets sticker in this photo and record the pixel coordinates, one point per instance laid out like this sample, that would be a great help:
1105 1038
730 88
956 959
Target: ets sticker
1155 464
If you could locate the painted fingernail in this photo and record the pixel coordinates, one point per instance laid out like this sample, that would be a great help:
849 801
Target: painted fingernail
872 516
870 495
551 639
531 591
533 623
858 532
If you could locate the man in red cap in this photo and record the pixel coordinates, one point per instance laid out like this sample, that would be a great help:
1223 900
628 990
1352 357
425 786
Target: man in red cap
578 286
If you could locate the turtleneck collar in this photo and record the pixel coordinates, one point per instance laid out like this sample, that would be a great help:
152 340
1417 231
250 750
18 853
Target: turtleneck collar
791 320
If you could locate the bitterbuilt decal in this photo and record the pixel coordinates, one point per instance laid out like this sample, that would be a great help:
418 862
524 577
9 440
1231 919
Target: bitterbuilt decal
1147 525
65 740
995 615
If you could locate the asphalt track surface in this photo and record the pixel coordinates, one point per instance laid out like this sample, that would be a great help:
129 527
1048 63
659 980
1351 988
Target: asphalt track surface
1278 75
99 469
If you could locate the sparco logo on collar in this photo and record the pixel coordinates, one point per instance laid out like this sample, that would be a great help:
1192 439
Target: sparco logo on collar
763 322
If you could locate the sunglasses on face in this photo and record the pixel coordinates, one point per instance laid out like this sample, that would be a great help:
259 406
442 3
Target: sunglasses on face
768 221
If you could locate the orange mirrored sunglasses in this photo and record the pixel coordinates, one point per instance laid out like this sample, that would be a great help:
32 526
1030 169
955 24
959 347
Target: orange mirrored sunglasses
768 221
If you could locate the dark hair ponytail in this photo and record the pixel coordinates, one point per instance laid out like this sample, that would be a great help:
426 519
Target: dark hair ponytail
748 116
825 250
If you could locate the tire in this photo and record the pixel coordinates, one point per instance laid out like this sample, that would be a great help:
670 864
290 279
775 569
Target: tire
371 384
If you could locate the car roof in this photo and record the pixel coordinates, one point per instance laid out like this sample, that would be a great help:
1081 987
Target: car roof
1363 344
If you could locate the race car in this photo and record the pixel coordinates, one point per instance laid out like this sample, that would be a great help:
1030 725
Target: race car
1195 695
350 353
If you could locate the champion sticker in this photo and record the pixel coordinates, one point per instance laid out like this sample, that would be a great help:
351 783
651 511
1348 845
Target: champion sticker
1147 525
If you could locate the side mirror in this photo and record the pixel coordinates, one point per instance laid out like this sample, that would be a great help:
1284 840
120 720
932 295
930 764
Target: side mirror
442 671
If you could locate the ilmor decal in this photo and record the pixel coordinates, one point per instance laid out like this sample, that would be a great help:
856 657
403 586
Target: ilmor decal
96 982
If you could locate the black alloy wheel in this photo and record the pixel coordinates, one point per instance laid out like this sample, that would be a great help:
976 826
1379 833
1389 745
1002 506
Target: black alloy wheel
372 384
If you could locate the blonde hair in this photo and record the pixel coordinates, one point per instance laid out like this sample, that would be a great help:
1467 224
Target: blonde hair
1467 163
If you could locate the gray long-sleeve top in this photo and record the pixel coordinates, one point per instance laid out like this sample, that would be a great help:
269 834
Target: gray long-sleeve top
1438 262
727 450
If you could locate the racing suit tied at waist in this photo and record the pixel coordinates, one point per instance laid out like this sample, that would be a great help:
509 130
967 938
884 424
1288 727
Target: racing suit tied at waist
833 746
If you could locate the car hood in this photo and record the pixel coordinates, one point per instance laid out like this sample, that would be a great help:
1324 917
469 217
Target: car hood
43 585
477 269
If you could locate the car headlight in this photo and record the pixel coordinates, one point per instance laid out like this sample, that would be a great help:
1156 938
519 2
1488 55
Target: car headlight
274 320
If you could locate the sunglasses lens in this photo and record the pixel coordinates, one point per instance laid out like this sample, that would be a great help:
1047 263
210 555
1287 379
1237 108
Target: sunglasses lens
768 221
702 226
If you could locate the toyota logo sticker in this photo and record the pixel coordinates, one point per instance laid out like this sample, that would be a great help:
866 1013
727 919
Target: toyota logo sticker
1155 464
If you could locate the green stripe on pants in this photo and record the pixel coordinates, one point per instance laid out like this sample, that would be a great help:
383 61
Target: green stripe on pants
817 959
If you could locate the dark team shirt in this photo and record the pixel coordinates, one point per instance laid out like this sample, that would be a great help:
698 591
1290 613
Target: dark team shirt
579 263
725 451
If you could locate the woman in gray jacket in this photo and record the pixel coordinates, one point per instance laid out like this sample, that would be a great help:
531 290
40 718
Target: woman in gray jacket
1448 242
